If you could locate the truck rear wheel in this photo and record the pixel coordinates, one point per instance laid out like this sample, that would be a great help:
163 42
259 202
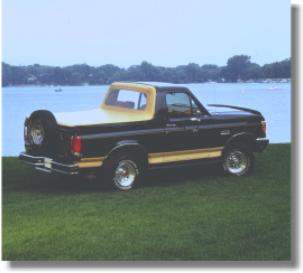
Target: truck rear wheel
123 171
238 161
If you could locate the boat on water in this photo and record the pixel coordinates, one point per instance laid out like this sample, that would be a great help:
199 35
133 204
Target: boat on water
58 90
273 87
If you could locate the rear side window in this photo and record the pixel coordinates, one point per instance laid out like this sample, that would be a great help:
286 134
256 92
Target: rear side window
127 99
178 104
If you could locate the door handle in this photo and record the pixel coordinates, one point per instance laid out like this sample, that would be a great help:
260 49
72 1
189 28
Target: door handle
195 119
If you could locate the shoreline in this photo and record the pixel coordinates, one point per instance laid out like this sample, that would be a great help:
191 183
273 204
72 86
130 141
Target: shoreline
265 81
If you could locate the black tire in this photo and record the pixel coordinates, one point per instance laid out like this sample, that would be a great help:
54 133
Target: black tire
119 162
238 160
49 138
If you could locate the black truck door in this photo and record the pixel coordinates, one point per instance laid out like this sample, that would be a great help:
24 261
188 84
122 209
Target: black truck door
181 124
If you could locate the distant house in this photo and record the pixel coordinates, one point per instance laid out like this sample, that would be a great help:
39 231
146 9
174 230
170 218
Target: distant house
32 79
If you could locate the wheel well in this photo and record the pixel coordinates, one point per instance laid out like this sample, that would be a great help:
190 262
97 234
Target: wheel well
242 139
134 149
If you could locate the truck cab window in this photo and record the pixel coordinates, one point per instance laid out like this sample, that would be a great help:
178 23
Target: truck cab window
195 108
178 104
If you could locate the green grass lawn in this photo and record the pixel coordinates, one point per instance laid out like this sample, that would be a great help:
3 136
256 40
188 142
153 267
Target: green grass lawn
194 213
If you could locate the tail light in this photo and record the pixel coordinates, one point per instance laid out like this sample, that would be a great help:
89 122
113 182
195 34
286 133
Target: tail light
263 126
76 145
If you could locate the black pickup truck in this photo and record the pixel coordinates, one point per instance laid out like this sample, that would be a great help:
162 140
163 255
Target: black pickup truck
141 126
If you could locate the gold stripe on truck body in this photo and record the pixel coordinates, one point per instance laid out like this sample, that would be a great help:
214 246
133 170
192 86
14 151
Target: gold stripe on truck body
158 158
165 157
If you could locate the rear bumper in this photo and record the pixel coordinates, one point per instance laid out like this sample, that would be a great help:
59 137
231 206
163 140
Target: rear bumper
48 165
261 144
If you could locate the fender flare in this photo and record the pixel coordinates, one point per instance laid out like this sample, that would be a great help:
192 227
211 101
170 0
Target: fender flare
127 146
243 137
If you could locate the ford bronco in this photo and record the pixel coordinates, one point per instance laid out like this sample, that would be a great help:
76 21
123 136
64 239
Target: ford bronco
140 126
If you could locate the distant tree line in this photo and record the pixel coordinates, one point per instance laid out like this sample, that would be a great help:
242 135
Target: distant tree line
238 68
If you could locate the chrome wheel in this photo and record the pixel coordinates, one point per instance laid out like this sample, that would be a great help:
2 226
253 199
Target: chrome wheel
125 174
37 133
236 162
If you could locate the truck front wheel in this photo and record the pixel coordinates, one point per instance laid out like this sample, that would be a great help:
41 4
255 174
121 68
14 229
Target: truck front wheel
238 161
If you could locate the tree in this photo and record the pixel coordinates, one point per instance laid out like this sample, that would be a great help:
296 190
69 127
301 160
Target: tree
235 68
238 67
210 72
277 69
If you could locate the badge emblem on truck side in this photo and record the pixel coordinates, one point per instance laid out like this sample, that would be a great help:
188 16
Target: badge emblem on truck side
225 132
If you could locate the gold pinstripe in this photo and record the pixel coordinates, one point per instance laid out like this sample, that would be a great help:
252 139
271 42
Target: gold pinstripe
165 157
156 158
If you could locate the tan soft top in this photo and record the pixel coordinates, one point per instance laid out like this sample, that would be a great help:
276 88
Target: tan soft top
107 114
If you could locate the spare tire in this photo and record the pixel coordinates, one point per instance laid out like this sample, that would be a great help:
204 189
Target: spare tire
42 135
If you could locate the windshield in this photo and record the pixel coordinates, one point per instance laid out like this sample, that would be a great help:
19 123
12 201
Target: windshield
127 99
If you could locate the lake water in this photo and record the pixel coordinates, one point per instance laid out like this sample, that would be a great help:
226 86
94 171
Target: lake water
273 100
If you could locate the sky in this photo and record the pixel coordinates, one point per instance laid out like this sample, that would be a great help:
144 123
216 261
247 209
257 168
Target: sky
127 32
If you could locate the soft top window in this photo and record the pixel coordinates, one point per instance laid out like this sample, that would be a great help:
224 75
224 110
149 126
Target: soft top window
127 99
